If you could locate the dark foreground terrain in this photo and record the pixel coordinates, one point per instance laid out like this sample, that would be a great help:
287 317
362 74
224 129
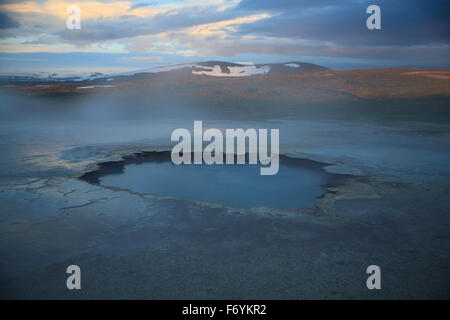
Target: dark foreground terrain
395 214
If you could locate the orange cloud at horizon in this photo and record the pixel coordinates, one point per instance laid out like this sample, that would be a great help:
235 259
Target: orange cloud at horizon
89 10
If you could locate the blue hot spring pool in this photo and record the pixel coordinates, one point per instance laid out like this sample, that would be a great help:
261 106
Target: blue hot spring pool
298 182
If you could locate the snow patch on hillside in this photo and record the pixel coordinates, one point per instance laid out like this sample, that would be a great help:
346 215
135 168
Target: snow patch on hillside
92 87
243 71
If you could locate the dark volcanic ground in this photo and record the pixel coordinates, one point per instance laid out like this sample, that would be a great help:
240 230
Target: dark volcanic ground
130 245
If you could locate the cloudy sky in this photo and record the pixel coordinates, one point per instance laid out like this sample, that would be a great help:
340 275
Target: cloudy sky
138 34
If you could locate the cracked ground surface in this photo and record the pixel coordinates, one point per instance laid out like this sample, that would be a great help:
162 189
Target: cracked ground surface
129 245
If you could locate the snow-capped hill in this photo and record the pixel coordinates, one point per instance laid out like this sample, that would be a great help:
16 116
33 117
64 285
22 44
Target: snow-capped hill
230 69
206 68
243 69
209 68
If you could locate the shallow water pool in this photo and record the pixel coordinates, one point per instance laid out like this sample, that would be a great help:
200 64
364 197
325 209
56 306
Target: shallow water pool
298 182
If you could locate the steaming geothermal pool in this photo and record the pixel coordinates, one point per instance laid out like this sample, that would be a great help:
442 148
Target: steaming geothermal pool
298 182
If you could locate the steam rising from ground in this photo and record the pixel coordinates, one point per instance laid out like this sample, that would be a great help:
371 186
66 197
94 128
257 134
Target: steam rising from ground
96 107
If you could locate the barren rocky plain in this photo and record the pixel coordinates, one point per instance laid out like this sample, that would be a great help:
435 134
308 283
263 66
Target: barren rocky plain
387 128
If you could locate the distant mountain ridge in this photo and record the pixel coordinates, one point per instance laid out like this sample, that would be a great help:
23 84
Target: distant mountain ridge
211 68
272 68
212 82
